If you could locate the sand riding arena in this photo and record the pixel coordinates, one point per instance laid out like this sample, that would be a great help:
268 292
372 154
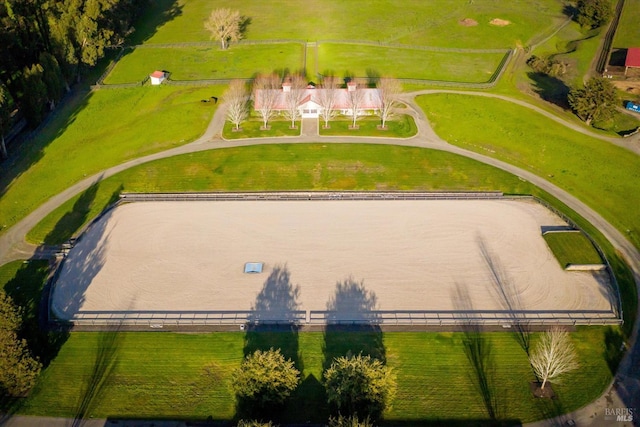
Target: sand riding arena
312 259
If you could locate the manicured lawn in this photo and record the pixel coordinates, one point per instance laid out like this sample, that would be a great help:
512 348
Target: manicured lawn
601 174
627 32
398 21
572 248
366 60
251 129
168 375
104 128
197 63
400 127
285 167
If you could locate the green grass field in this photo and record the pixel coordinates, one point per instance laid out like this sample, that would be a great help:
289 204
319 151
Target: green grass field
361 60
397 21
101 129
572 248
285 167
398 127
198 63
627 33
601 174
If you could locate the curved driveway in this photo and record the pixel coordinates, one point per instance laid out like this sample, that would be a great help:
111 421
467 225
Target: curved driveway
625 390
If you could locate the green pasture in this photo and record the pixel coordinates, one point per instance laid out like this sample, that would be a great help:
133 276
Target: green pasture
572 248
97 130
433 23
207 62
627 34
360 60
402 126
599 173
187 376
285 167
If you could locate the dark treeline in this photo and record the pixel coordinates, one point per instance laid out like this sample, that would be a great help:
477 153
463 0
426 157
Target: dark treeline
46 45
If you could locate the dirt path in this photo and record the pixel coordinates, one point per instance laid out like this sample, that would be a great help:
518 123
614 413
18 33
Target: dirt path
625 390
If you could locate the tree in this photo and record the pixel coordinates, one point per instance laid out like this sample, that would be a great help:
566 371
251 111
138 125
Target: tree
554 355
327 99
237 99
387 92
52 77
294 90
254 423
18 370
265 378
355 98
224 25
266 94
593 13
351 421
34 96
359 385
596 101
5 119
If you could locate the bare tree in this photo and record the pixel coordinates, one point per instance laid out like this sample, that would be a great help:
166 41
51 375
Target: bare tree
327 98
224 25
294 89
355 99
237 99
266 94
554 355
387 92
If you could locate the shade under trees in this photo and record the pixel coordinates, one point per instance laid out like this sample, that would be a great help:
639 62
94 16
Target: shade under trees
265 378
553 356
597 101
593 13
237 100
266 90
5 118
387 97
224 25
18 369
351 421
359 386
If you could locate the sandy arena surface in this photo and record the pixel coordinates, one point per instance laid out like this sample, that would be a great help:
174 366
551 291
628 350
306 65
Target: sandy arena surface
406 255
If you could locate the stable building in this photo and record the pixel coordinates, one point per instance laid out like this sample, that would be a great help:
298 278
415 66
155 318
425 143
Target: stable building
632 60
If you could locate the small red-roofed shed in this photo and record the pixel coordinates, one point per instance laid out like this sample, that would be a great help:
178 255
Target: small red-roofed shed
157 77
633 59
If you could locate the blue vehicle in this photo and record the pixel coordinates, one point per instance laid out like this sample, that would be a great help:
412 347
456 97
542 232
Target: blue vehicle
633 107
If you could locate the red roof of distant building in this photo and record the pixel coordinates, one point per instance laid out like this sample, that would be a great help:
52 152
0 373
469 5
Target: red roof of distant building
633 57
157 74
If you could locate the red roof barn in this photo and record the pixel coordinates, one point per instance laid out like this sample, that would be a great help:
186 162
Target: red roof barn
633 59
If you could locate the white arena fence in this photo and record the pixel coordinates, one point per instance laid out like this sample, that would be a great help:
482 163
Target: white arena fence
382 318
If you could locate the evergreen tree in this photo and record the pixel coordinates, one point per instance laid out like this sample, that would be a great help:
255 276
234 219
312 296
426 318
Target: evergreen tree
18 370
593 13
596 101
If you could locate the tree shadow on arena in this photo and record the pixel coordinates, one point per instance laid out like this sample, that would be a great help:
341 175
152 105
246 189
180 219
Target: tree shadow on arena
273 323
479 352
353 326
79 268
507 297
105 362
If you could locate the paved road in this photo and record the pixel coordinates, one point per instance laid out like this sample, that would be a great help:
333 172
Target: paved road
623 393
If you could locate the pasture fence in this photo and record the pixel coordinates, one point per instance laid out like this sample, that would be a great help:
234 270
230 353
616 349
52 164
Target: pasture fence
319 318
